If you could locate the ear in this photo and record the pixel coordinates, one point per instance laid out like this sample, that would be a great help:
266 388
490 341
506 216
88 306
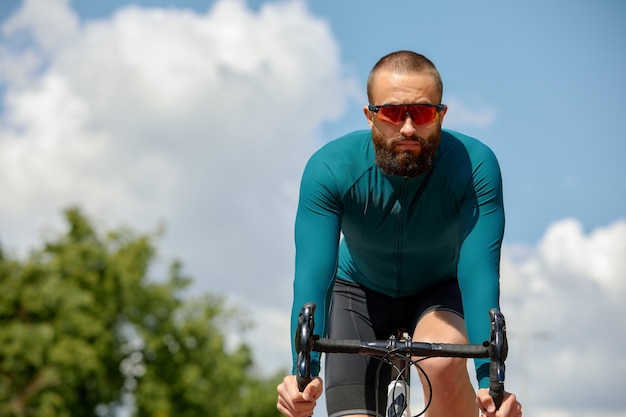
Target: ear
369 115
442 114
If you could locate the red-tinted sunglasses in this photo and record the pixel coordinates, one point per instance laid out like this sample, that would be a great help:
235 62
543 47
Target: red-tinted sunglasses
396 113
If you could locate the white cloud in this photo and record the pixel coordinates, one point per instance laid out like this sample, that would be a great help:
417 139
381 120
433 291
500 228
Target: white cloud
597 256
564 306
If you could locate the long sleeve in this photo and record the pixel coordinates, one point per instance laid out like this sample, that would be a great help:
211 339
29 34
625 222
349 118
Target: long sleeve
482 229
317 231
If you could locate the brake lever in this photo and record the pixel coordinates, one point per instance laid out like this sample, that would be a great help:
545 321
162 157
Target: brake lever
303 343
498 351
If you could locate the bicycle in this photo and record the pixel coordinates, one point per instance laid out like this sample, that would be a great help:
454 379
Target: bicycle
398 351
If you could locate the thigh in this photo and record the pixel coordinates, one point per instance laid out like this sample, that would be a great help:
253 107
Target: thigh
442 322
440 327
351 386
441 316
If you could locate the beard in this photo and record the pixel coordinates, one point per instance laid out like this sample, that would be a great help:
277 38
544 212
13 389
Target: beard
405 163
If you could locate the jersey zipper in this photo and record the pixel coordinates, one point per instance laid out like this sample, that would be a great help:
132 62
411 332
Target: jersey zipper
401 223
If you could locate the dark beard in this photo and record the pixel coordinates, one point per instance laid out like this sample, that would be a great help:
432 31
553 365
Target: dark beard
405 163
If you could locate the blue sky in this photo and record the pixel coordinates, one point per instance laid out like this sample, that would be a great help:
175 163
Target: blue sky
201 115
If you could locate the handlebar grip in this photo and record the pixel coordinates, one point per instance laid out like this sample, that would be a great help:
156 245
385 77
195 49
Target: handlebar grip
496 390
302 382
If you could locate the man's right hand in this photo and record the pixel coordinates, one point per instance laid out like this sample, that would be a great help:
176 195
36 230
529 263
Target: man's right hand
292 402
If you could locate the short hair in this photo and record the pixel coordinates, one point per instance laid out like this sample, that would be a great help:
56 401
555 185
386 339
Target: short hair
404 62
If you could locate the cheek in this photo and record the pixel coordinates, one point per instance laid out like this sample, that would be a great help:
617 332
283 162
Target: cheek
387 130
429 131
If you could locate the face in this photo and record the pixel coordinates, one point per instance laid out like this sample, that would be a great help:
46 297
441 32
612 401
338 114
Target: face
406 149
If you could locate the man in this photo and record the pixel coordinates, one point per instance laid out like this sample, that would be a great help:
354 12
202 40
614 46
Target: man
421 214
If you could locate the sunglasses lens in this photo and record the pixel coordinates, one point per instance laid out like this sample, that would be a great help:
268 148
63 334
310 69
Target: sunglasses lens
392 114
422 114
419 113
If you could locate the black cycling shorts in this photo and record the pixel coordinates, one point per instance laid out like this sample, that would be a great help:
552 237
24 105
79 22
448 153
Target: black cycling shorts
359 313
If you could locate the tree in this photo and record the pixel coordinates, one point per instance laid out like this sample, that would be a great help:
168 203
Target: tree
83 328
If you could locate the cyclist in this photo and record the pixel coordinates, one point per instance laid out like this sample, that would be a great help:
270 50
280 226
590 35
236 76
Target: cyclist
399 226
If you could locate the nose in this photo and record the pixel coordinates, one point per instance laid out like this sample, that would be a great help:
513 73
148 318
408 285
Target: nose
407 128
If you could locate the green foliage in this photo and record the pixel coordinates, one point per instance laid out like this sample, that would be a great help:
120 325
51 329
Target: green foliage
82 327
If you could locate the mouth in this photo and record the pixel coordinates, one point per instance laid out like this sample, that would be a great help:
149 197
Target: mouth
406 145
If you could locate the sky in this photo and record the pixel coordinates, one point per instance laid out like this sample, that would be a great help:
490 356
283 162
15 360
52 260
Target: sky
200 115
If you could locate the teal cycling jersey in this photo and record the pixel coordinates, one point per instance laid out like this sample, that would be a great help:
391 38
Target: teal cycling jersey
400 236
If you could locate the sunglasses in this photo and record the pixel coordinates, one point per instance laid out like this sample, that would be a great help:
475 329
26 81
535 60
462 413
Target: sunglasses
396 113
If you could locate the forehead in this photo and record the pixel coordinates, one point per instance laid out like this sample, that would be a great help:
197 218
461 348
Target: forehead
415 87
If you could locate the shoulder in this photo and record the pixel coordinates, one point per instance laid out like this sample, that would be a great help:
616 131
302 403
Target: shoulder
462 151
460 144
337 165
350 153
357 142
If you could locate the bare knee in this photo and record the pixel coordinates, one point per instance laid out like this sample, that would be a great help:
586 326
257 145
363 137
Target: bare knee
444 372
